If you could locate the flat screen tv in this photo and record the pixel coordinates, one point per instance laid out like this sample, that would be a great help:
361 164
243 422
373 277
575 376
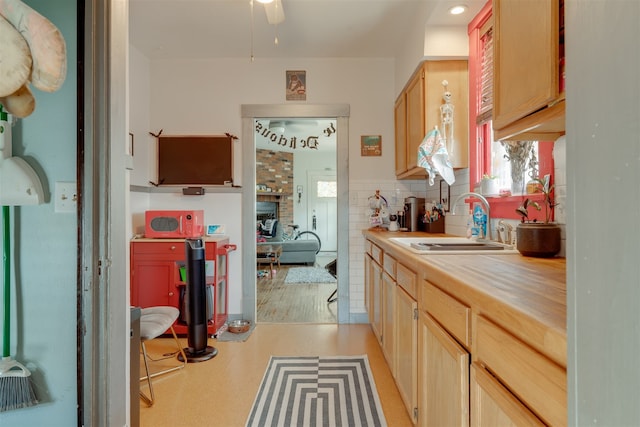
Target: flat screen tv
195 160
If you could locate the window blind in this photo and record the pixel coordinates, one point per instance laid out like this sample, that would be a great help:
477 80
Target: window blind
486 74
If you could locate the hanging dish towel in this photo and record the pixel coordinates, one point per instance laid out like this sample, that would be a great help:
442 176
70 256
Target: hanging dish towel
433 156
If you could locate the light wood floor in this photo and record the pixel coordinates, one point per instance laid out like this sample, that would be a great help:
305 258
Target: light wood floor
279 302
220 391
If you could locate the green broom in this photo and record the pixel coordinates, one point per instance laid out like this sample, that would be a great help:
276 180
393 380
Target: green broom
15 385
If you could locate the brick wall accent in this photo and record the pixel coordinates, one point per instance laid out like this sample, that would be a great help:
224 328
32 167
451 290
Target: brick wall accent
275 170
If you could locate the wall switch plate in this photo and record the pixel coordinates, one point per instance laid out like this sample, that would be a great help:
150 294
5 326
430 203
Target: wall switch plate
66 197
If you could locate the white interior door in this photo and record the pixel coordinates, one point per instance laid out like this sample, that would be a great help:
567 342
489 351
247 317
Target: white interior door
323 208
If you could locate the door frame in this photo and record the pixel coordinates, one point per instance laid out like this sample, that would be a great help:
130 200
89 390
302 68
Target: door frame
103 330
250 112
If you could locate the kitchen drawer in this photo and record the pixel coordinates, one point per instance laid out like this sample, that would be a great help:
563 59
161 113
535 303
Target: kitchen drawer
390 265
160 250
408 280
376 253
537 381
453 315
367 247
173 250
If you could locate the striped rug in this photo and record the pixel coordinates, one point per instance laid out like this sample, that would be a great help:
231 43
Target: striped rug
317 391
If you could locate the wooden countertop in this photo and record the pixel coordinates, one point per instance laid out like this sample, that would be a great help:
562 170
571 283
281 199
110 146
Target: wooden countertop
526 296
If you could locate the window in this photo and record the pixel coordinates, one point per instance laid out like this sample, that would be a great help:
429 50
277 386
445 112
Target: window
486 156
327 189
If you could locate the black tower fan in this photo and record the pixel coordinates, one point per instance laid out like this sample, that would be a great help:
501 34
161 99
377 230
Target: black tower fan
196 306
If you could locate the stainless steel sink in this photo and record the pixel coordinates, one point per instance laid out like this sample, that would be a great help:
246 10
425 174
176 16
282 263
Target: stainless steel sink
452 245
471 246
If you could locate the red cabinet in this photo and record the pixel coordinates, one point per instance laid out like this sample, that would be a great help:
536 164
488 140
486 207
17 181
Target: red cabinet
155 277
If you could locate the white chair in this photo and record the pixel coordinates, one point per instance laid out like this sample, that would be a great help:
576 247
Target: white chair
155 321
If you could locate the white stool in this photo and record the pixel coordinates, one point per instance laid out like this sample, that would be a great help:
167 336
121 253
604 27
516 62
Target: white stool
155 321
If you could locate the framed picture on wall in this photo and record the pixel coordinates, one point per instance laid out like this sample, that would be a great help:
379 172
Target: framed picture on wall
371 145
296 85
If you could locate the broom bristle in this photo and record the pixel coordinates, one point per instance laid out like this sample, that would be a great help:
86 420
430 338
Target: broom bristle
16 392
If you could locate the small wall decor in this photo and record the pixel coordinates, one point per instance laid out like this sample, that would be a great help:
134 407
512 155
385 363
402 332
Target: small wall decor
296 85
371 145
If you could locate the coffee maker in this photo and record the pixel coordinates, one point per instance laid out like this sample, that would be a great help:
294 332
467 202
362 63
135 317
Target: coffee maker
413 211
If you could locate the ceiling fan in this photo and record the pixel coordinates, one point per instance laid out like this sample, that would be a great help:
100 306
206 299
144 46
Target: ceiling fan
274 11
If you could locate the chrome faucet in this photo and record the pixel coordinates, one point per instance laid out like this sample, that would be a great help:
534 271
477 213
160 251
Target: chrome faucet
484 202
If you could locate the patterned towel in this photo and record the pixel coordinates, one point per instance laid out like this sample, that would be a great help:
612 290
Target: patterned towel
433 156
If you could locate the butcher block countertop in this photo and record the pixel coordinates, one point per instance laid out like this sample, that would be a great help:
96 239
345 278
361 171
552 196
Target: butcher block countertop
524 295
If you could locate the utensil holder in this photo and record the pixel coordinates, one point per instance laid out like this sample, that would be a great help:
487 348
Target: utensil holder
435 227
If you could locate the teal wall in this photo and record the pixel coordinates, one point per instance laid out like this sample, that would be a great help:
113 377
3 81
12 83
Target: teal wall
45 249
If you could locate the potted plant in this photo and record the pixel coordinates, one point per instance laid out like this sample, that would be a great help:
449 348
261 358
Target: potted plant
489 185
538 239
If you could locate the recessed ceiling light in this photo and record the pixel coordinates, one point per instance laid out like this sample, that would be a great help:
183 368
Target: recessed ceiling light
265 1
457 10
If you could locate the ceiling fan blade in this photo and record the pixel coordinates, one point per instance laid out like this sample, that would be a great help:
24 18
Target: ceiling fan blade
275 12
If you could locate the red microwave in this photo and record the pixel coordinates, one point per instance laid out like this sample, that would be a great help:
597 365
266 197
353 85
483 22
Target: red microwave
179 224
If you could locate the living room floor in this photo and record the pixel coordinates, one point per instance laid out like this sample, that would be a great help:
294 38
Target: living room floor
280 302
220 391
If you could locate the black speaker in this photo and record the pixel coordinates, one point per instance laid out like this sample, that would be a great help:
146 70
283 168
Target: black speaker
193 191
196 304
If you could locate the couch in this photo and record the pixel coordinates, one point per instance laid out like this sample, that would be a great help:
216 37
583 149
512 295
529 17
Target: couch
293 251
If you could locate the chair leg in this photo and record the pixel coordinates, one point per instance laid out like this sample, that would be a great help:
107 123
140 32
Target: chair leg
333 296
149 400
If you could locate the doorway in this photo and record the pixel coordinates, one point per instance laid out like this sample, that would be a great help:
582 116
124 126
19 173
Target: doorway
296 189
249 114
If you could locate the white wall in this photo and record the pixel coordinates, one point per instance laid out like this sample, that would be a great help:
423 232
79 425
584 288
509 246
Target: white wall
445 42
144 167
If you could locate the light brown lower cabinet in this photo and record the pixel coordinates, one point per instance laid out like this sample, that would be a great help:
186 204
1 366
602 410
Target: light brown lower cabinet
493 405
430 349
407 350
388 320
537 381
444 377
375 277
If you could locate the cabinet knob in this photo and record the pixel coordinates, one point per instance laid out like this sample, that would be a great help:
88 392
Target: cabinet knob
170 294
173 248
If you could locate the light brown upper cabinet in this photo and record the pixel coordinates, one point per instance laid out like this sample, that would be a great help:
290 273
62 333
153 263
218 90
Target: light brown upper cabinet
400 121
529 99
417 111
